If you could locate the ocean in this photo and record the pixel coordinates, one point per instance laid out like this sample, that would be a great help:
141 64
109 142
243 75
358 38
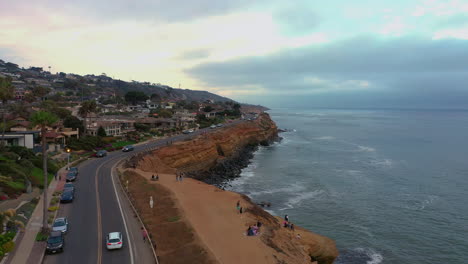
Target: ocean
389 186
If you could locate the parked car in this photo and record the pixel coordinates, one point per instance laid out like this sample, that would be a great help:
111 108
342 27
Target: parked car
128 148
55 242
219 125
69 186
71 176
191 130
60 224
67 196
213 126
114 240
73 169
185 132
101 153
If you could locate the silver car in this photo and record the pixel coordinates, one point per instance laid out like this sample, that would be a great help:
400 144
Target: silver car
60 224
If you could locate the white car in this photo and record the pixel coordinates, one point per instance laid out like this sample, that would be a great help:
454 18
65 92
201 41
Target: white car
114 240
191 131
60 224
213 126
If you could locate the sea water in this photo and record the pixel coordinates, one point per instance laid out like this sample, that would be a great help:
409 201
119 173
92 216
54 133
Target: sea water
389 186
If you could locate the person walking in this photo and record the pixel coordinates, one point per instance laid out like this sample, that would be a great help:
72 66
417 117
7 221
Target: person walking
144 234
240 210
181 176
238 207
177 177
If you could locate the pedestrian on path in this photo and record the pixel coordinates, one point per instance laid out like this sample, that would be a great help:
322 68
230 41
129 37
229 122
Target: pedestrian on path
240 210
181 177
144 234
55 176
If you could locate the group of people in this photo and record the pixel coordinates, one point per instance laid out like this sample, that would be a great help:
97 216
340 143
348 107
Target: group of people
239 208
288 224
155 178
254 229
179 176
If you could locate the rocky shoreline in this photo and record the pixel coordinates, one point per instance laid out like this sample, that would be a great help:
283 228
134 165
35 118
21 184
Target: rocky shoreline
218 157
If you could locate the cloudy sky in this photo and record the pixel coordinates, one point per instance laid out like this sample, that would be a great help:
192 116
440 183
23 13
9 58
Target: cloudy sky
335 53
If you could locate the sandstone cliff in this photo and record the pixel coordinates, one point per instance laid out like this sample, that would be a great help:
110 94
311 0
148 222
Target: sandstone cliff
210 150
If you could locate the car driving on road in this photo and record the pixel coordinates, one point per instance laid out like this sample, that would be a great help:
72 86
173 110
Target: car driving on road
101 153
60 224
128 148
67 196
55 242
114 240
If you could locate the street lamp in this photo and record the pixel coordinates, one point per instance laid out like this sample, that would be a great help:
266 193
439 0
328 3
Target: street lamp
68 150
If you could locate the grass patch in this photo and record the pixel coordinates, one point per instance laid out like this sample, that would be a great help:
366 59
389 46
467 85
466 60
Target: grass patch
41 237
26 210
39 176
16 185
173 219
121 144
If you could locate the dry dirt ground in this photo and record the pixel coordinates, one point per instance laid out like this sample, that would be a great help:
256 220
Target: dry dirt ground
180 208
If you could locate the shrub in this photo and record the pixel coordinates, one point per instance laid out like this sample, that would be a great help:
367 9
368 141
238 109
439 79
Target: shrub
8 246
10 212
173 219
52 208
54 200
41 237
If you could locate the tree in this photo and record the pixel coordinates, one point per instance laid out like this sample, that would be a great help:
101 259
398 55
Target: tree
135 96
44 119
155 98
101 132
86 108
51 106
207 109
20 109
7 92
73 122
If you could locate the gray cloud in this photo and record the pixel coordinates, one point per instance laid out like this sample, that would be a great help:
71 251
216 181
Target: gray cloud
153 10
400 71
194 54
296 19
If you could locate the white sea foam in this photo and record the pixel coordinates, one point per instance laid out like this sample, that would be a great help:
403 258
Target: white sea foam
365 149
292 202
375 257
294 188
383 163
325 138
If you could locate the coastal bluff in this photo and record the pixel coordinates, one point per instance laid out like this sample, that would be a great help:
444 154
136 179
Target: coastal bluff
206 157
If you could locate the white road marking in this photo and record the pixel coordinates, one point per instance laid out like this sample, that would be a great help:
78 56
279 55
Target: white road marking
121 212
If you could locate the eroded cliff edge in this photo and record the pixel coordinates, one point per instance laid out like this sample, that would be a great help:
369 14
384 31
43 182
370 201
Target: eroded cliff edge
218 155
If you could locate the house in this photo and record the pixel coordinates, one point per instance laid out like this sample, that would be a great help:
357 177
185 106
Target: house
151 105
157 123
26 139
20 93
112 126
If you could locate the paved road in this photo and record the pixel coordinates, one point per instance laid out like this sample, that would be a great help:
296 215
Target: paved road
96 212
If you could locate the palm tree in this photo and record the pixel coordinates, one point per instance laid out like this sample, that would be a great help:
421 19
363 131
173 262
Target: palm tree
86 108
44 119
7 92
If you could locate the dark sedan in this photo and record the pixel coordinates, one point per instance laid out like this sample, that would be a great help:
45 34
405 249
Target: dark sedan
73 169
67 196
128 148
71 176
55 242
101 153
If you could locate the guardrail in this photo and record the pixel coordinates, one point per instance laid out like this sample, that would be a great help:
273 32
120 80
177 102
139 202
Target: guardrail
135 211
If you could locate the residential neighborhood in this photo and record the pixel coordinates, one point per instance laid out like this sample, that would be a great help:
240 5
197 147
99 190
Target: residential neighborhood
87 104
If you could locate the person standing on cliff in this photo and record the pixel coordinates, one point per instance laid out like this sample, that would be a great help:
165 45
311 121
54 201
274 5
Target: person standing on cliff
286 218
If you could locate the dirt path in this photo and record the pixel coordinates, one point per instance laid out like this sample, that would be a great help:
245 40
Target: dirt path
213 214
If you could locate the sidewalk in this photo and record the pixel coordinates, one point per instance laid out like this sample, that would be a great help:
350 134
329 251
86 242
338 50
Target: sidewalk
27 250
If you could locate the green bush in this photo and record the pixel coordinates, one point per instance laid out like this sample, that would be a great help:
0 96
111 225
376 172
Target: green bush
8 246
17 185
52 208
41 237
